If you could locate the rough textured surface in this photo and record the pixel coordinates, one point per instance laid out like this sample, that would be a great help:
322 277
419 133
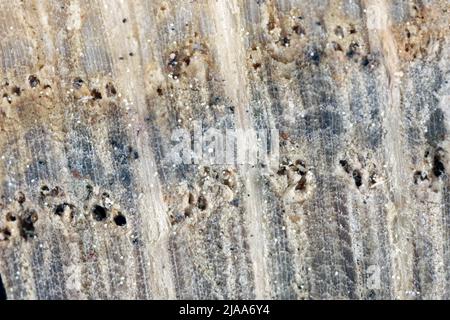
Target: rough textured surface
91 91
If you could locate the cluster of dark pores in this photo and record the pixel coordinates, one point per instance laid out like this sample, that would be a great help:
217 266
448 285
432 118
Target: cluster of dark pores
95 93
201 202
437 167
437 170
14 90
353 52
26 217
34 82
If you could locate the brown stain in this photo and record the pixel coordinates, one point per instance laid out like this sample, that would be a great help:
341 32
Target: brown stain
289 38
294 218
416 36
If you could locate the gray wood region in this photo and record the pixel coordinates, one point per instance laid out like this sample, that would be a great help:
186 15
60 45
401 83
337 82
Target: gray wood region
94 204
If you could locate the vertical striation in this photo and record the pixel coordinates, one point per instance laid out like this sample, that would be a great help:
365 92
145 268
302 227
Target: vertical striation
94 98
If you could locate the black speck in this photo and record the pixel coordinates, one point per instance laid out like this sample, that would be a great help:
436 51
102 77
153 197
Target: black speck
357 178
6 233
59 210
419 175
33 80
20 197
372 179
77 83
27 229
314 56
298 30
365 62
120 220
90 190
352 50
336 46
339 31
124 20
8 98
99 213
16 90
202 203
110 90
96 94
2 290
438 166
10 217
133 153
345 165
235 202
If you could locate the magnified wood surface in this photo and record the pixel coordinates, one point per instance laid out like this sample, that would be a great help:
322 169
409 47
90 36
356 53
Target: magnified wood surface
92 207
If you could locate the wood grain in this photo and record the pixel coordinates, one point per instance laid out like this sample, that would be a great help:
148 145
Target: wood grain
92 207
